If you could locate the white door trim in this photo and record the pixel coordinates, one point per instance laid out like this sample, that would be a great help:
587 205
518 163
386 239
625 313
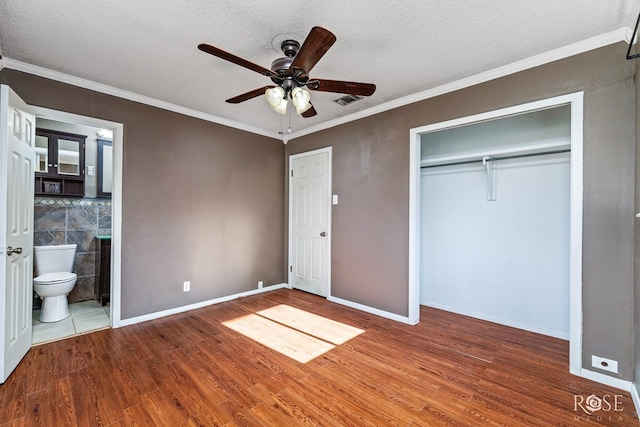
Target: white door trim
329 151
575 100
116 199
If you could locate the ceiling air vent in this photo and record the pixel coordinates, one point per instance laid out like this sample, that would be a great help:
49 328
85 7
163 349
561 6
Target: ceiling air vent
348 99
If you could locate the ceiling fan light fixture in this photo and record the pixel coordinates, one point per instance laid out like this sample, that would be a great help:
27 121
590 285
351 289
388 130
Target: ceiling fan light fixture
301 98
281 108
275 96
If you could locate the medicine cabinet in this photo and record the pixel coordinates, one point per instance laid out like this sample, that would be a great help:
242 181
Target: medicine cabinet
60 163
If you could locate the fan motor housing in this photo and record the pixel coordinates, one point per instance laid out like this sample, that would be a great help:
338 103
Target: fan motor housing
290 47
287 78
281 64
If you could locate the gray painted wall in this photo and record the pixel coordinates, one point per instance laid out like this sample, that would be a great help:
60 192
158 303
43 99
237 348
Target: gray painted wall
371 164
201 201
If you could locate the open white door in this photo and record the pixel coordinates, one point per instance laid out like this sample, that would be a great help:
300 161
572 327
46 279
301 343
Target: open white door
17 133
309 221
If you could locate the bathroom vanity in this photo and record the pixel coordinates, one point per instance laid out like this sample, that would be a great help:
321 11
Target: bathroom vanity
103 269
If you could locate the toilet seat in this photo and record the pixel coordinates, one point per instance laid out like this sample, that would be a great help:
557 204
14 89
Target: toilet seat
54 278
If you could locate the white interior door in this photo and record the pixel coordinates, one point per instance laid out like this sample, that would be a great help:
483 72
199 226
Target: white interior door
17 133
309 219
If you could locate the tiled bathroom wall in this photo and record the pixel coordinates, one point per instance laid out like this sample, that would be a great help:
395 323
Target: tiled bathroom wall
60 221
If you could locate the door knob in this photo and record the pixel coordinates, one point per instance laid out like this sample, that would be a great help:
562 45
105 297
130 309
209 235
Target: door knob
11 251
323 234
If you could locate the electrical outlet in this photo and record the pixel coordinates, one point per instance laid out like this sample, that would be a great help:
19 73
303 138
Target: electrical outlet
260 284
604 364
186 286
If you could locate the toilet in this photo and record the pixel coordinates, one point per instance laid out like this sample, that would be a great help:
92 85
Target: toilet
55 280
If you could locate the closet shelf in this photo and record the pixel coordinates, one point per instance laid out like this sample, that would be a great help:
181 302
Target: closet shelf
464 157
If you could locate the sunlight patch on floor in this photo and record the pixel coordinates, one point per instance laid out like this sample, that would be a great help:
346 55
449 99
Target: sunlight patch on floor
291 343
298 334
311 324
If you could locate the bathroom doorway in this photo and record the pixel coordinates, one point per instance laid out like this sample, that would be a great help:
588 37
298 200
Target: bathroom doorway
83 219
89 220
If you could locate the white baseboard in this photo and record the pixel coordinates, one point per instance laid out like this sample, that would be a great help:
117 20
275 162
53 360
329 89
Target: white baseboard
636 398
624 385
371 310
606 379
182 309
499 320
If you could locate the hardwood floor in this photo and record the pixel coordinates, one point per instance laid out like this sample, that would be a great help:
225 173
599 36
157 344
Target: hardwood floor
191 370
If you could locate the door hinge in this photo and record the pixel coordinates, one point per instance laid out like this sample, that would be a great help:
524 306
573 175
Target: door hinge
291 269
291 173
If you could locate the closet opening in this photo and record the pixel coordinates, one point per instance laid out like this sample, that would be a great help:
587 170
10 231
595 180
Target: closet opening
496 218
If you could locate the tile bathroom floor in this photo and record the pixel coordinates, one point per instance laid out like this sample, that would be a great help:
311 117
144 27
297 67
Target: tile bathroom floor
85 317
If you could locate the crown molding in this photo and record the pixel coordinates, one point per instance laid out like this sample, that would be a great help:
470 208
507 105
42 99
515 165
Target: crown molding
622 34
131 96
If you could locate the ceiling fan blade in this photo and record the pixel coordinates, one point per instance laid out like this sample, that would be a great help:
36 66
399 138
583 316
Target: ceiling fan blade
247 96
350 88
235 59
310 112
314 47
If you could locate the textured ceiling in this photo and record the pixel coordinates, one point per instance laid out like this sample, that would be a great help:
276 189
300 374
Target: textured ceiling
149 47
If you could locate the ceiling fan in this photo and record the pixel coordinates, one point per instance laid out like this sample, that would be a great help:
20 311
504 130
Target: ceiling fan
291 74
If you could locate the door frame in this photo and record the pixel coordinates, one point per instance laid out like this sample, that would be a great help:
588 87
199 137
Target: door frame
115 317
292 157
576 101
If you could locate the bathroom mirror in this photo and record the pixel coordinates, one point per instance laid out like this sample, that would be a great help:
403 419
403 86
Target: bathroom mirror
105 168
42 154
69 157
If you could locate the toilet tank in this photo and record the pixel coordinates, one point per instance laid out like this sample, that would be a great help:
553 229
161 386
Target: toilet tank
54 259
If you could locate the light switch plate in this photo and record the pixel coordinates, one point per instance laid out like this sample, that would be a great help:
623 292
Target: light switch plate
335 199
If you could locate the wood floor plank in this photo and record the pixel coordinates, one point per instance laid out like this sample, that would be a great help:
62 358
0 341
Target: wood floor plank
397 384
192 370
13 395
372 395
323 402
156 409
52 407
342 400
96 399
272 411
233 379
238 414
204 387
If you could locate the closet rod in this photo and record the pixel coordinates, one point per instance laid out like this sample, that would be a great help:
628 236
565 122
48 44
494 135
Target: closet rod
490 159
